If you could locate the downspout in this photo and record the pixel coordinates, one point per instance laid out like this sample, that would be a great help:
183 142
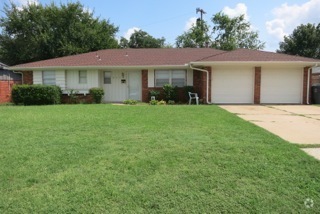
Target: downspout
207 72
308 83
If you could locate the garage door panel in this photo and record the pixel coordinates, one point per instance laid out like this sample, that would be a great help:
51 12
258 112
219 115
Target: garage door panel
281 86
232 85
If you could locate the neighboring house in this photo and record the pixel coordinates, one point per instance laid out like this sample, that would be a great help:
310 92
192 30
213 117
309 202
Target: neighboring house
7 80
241 76
316 76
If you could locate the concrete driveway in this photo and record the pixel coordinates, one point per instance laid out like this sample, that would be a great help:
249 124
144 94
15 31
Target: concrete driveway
298 124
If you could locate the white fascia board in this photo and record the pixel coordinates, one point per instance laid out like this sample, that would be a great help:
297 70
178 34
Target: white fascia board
95 67
256 63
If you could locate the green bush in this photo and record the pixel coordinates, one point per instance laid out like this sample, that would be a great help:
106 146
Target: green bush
130 102
170 92
97 94
36 94
153 102
74 98
171 102
162 102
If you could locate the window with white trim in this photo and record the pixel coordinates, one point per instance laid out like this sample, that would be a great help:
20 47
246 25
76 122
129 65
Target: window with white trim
173 77
107 77
82 77
48 78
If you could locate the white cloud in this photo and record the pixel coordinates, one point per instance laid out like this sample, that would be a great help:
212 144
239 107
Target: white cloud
240 9
191 22
288 17
87 10
130 32
26 2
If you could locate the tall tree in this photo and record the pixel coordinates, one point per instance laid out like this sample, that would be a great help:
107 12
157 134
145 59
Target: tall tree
38 32
197 36
304 41
233 33
141 39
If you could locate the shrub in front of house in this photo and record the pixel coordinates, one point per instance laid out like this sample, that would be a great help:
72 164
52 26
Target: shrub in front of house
36 94
170 92
130 102
97 94
153 102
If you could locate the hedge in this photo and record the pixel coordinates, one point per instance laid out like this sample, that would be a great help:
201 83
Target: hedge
36 94
97 94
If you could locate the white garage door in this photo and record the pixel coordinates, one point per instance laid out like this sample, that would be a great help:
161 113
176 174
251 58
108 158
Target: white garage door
232 85
281 85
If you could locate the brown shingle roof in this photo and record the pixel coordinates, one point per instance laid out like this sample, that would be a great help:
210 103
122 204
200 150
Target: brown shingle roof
162 57
247 55
129 57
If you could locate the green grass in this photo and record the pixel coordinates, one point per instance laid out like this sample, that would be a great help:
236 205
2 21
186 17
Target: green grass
148 159
308 146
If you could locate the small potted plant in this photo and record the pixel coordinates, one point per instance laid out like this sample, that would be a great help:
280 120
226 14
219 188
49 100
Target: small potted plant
154 94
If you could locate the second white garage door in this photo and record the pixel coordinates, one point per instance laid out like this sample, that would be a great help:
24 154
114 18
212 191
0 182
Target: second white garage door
232 85
281 85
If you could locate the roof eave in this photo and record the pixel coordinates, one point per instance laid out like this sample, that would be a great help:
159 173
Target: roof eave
94 67
211 63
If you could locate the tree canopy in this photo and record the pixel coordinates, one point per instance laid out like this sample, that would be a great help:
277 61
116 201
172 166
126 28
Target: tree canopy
37 32
141 39
234 33
227 34
304 41
197 36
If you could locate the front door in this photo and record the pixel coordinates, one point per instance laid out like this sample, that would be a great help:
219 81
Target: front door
122 85
134 88
115 86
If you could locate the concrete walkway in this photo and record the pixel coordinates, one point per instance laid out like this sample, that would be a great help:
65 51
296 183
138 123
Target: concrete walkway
298 124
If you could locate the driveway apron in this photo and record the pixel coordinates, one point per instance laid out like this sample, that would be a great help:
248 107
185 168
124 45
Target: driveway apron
295 123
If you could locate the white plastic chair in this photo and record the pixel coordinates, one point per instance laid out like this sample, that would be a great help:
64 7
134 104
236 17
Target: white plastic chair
193 96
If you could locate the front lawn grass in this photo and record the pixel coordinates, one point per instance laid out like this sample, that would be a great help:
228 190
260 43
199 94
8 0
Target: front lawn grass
148 159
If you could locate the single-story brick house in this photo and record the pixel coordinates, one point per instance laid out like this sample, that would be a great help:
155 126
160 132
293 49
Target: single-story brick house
7 80
241 76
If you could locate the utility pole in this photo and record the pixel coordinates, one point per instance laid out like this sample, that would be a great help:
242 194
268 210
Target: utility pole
201 11
200 22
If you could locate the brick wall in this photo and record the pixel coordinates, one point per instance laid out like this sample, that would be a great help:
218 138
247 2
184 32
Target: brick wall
80 99
27 77
305 86
257 85
200 83
5 90
145 89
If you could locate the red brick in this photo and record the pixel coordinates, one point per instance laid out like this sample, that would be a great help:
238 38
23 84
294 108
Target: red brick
305 85
257 85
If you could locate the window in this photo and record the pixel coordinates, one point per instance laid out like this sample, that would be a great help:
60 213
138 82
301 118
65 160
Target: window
82 77
107 77
173 77
48 78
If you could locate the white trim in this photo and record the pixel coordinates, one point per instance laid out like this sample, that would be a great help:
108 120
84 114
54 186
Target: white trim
254 63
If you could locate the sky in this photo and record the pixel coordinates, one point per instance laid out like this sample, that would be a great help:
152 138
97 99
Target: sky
273 19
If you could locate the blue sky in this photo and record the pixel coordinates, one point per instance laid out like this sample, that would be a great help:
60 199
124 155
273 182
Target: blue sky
162 18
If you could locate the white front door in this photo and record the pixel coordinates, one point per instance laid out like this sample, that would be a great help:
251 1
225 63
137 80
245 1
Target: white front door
115 84
134 89
121 85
